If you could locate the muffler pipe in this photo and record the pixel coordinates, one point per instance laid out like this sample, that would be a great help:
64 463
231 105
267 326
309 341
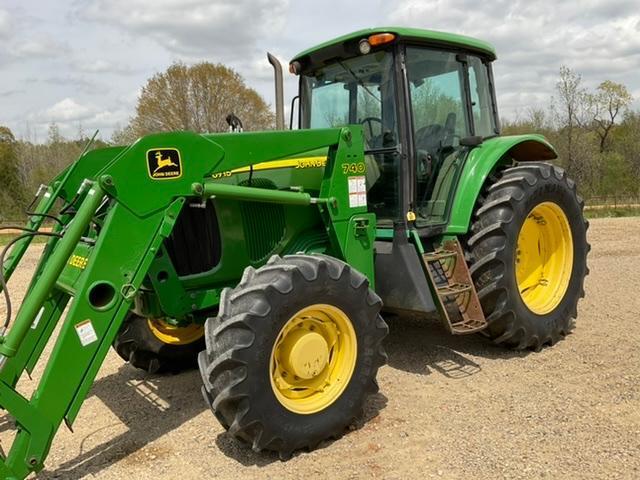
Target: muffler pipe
277 70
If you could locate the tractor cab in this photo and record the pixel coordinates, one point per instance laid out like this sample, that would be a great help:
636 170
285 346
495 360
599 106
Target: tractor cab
423 98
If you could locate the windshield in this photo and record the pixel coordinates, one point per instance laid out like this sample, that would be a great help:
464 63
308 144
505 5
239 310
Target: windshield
358 90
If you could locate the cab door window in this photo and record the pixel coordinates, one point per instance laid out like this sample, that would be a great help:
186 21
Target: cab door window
439 120
481 100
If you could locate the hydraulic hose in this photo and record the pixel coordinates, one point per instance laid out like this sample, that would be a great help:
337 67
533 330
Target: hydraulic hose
3 282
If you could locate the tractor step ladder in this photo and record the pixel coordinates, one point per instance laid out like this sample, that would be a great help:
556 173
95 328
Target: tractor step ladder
454 289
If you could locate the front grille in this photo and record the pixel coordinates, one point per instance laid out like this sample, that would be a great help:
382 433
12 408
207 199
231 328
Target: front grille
194 244
264 228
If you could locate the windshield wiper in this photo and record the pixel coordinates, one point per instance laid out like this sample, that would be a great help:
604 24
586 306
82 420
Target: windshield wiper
357 79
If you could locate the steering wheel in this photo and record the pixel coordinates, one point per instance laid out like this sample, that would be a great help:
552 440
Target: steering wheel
429 137
368 121
435 136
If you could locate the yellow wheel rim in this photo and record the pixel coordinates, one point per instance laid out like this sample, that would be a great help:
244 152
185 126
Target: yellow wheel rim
173 335
544 258
313 359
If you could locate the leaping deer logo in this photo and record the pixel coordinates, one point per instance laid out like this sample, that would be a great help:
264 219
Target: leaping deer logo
163 162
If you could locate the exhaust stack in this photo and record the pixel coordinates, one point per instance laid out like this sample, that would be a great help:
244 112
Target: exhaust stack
277 70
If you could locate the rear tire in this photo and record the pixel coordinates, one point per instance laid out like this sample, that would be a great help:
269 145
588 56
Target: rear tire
240 362
543 194
137 344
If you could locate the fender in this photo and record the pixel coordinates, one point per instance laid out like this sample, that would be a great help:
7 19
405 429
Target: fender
483 160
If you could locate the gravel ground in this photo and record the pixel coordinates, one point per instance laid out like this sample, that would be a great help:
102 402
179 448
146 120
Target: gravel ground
449 407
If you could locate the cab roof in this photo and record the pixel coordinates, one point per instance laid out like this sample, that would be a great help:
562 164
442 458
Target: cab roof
427 37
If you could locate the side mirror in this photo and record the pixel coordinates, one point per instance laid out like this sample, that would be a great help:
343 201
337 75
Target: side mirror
472 141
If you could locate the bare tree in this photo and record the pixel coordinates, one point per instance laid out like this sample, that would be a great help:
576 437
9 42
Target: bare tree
572 111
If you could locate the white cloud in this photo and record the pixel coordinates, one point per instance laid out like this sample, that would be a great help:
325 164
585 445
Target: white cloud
43 46
67 110
100 66
5 24
598 39
224 28
70 115
259 68
6 29
99 53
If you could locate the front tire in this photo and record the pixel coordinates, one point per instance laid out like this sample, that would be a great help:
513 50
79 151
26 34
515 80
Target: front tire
293 353
528 252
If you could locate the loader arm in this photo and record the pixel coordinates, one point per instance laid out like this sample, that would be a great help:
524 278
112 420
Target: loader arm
64 187
97 267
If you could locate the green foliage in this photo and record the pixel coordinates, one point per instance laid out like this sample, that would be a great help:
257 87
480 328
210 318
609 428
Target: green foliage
598 149
12 194
24 166
7 237
607 103
615 175
625 140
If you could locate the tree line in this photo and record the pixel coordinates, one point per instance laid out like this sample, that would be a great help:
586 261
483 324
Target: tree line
596 133
197 98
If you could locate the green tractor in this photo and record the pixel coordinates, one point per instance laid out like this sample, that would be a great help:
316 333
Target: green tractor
266 258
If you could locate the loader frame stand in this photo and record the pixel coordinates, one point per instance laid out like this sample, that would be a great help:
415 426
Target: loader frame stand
112 229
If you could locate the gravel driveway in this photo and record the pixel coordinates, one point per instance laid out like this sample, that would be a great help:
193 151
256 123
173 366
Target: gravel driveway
449 407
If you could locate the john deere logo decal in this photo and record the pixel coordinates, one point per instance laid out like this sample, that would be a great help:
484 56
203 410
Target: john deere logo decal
164 163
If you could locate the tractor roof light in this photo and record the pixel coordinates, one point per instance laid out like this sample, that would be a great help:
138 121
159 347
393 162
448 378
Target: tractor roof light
364 46
381 39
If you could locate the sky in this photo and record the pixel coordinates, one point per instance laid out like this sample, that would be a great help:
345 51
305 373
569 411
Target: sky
82 63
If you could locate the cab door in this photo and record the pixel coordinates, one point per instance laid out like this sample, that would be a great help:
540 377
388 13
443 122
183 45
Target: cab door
449 99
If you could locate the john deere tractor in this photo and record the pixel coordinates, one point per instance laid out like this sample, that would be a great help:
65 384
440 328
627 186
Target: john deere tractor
266 258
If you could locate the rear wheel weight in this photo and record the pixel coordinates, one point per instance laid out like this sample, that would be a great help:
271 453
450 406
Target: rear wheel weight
293 353
528 252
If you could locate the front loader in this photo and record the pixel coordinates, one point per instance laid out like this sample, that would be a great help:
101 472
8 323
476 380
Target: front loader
266 258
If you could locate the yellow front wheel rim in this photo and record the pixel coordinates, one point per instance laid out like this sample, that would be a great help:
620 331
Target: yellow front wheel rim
313 359
544 258
174 335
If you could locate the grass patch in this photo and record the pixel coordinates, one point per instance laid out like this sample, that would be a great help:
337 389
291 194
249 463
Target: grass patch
612 212
7 237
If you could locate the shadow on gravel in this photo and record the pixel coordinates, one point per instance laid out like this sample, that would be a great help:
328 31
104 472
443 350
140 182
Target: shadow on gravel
149 405
243 454
422 345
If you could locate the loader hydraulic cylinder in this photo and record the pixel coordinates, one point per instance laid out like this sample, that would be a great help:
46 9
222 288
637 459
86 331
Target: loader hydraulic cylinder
253 194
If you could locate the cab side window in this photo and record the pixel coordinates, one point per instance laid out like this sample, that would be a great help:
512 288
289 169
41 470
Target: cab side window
438 104
481 101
